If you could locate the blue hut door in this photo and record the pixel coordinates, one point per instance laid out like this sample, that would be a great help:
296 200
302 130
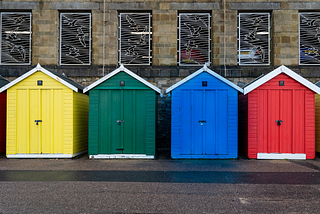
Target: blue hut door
204 122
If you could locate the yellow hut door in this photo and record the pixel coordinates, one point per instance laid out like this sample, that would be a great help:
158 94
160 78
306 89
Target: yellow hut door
40 121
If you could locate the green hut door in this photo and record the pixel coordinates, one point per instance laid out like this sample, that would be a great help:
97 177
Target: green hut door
122 122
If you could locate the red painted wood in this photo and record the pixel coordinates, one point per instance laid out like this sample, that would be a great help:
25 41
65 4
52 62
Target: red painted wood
286 115
252 124
292 103
3 106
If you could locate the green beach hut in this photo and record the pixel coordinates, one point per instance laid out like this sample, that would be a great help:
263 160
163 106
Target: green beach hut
122 116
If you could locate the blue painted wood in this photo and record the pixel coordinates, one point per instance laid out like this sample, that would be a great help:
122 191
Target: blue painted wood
217 105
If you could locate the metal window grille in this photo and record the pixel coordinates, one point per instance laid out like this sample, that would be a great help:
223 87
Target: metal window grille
15 38
135 35
254 39
194 45
75 39
309 38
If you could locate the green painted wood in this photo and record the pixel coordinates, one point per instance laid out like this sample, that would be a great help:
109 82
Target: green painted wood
135 104
136 134
93 122
114 82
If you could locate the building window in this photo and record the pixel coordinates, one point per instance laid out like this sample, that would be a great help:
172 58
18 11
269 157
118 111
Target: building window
309 38
15 38
135 32
75 39
194 43
254 39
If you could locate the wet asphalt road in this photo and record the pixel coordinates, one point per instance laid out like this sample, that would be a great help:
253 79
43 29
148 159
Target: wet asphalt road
159 186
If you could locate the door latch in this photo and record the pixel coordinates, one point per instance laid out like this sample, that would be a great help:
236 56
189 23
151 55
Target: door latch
202 122
37 121
279 122
120 121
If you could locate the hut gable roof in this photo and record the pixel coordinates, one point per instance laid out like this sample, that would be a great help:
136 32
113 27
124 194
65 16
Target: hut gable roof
113 73
58 77
282 69
3 81
201 70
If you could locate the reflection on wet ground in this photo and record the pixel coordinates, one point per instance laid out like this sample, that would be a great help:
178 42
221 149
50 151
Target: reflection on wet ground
164 176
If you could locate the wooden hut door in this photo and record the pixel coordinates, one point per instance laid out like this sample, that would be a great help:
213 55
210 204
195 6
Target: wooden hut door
122 122
204 122
280 121
39 121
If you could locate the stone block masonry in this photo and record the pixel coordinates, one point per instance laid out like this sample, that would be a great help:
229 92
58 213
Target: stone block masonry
164 71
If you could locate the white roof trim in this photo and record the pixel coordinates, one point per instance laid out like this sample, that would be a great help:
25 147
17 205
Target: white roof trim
29 73
204 69
121 68
277 71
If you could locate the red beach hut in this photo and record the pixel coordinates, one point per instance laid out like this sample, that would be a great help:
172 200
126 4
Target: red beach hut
277 117
3 107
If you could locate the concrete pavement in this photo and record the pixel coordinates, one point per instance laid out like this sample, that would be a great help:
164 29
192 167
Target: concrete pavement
159 186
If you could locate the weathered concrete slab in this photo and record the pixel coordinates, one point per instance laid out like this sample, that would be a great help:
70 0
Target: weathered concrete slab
305 5
255 6
133 6
20 5
194 6
74 6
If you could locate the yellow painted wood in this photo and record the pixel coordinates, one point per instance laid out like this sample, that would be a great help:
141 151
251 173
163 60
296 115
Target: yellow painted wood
317 121
80 121
54 104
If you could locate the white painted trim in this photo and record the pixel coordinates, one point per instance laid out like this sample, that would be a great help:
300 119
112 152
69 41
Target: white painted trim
204 69
46 155
29 73
122 156
121 68
277 71
277 156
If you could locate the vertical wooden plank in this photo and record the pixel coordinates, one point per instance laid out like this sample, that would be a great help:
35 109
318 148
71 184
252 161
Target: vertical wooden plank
197 103
273 115
286 115
57 121
212 122
299 130
186 132
22 130
35 130
222 123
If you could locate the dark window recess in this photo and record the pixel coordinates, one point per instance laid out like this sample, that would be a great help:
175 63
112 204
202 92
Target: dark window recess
122 83
204 83
39 82
281 83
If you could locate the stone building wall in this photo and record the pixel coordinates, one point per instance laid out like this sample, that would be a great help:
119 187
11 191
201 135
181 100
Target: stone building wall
164 71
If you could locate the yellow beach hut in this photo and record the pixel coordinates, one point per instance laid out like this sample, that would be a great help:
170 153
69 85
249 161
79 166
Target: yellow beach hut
47 116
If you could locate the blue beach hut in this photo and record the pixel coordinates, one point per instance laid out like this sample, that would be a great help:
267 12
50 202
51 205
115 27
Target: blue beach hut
204 117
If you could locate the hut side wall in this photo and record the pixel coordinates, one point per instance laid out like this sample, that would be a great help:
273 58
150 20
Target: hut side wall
3 111
243 124
93 146
310 124
80 122
252 124
150 122
232 115
317 122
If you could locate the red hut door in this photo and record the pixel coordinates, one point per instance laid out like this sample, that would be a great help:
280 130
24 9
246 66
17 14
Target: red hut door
281 121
